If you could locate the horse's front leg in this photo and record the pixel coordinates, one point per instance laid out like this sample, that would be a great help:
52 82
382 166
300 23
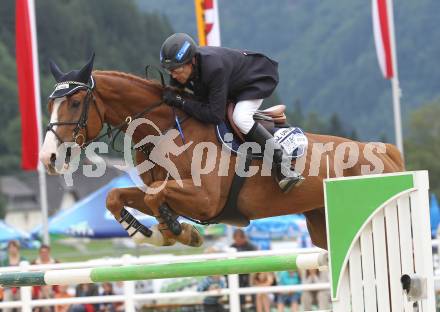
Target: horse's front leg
133 197
188 200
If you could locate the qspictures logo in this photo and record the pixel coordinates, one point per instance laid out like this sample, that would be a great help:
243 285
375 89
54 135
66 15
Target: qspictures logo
205 155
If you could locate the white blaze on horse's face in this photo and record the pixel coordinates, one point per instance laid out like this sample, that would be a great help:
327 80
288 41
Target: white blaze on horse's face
48 152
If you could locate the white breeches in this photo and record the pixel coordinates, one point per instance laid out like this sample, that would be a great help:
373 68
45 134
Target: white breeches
244 112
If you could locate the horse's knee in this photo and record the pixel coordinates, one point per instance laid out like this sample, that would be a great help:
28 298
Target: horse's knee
113 201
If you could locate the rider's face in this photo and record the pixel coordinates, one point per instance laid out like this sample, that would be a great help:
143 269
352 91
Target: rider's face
182 73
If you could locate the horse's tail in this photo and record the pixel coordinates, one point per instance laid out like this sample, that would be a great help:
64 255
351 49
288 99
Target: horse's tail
396 157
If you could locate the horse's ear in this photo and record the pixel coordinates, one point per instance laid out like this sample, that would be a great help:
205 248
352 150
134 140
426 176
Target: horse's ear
85 72
56 72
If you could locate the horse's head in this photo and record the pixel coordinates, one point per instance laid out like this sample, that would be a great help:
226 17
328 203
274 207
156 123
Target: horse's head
75 116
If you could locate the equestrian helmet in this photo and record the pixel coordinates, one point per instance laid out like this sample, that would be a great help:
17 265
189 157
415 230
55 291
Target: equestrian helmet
177 50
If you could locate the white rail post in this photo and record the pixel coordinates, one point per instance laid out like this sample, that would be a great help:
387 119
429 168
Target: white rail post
25 292
233 285
129 288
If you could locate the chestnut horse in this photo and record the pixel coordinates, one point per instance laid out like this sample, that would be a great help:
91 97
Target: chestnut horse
117 96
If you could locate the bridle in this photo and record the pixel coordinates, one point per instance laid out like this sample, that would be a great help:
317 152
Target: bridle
81 123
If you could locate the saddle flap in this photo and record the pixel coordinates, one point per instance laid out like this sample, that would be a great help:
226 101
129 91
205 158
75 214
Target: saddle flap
269 118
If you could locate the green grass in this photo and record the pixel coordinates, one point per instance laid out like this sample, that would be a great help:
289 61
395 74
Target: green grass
84 250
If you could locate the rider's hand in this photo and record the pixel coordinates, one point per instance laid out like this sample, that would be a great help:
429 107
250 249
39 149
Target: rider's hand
172 98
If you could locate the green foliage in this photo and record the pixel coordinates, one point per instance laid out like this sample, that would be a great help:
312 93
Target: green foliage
313 122
422 146
3 202
326 53
123 37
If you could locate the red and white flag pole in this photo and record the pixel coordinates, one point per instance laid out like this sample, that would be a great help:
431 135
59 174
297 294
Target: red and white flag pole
29 98
208 22
385 41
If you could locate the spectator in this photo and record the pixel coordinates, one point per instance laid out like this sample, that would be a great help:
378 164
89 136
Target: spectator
46 292
12 259
62 293
118 289
107 290
266 279
241 243
44 257
291 299
85 290
320 297
212 303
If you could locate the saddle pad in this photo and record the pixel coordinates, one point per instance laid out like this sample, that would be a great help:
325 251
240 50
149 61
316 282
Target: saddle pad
292 139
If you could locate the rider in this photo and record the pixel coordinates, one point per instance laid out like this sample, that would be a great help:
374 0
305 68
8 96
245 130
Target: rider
216 74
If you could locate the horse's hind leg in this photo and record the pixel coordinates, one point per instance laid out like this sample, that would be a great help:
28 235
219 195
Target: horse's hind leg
134 197
317 227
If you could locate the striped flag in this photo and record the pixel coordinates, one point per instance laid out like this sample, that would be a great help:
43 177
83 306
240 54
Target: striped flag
382 35
28 83
384 38
208 23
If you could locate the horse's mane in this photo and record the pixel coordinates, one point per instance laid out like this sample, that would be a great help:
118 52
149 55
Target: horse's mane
154 85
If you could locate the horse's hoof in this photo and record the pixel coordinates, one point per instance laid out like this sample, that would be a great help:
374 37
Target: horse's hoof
190 236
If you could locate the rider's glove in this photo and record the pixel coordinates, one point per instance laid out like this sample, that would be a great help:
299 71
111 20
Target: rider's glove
172 98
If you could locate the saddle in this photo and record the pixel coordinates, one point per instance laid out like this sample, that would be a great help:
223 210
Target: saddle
270 118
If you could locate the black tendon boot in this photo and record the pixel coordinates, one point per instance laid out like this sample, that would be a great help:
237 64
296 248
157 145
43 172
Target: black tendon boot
260 135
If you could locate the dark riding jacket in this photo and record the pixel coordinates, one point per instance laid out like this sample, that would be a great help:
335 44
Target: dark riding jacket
222 74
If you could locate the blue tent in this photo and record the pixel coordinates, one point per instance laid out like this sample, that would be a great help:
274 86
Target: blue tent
8 233
262 231
434 212
90 218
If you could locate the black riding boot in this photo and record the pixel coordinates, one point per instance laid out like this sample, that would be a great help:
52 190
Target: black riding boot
260 135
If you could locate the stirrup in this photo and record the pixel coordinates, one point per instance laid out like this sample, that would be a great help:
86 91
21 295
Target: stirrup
289 182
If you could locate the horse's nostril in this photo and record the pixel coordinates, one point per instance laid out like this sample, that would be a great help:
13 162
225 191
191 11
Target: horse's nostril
53 157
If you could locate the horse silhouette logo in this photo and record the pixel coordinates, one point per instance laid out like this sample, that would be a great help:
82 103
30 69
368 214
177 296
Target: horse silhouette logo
164 145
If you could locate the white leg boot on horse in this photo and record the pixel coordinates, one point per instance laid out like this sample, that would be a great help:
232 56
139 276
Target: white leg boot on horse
133 197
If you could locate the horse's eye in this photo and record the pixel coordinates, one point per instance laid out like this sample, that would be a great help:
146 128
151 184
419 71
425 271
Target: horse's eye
75 104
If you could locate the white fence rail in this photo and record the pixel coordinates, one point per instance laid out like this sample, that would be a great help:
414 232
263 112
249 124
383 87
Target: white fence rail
130 298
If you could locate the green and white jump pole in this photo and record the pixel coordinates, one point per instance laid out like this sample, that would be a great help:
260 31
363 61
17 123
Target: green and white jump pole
169 270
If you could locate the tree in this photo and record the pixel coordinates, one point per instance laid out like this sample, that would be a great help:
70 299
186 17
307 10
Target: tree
422 145
335 126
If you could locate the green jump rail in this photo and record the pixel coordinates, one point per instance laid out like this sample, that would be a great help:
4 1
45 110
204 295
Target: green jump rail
168 270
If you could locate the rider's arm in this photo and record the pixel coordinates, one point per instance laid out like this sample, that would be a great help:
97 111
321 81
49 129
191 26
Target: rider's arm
215 109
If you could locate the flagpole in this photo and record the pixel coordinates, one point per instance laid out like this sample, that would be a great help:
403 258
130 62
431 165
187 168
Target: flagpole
200 23
40 169
396 91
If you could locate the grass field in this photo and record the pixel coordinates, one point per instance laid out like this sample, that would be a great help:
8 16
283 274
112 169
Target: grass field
70 250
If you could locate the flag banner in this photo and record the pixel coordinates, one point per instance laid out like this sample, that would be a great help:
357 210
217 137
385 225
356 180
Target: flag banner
382 36
27 72
208 23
